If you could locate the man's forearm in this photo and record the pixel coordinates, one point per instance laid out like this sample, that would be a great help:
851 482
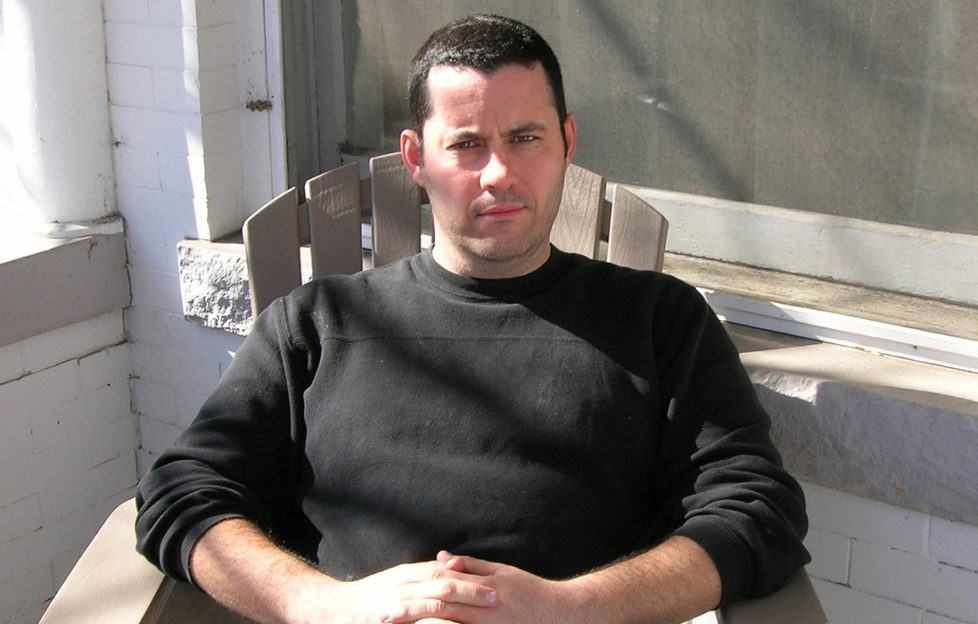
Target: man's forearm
671 583
240 567
243 569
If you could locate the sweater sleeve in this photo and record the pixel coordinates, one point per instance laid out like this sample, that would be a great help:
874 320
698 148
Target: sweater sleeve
721 479
236 459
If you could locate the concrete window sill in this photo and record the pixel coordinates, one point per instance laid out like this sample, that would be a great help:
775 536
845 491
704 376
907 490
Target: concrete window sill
877 426
845 418
50 282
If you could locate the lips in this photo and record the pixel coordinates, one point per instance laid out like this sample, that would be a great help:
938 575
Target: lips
501 211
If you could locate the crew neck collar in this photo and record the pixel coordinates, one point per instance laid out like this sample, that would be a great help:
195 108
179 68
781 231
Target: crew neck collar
506 289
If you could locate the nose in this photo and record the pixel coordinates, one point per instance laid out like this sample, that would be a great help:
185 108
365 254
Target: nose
497 172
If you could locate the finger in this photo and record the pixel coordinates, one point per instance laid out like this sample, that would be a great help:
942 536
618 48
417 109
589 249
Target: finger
409 572
443 555
465 590
448 561
434 610
471 565
418 610
446 585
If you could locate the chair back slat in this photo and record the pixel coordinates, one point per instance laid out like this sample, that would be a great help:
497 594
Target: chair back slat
637 235
396 210
333 202
271 239
577 228
366 205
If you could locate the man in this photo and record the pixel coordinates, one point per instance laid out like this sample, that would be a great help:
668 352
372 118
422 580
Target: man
494 431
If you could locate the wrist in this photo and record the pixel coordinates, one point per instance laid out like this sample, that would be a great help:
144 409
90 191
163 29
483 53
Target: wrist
585 598
307 596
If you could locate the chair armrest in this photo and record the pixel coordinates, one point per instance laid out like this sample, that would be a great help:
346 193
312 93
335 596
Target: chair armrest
111 583
796 602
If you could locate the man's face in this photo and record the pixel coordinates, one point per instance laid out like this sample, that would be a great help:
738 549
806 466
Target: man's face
493 164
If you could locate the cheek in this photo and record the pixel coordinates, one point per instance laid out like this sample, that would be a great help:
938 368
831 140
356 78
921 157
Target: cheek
448 186
547 181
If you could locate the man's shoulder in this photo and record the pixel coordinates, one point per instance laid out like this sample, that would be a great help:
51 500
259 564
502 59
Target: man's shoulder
314 292
629 295
311 309
610 275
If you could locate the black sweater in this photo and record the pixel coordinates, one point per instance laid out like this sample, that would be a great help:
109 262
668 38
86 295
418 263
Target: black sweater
556 422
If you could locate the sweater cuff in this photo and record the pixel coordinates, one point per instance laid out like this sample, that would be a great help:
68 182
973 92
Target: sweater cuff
193 535
729 555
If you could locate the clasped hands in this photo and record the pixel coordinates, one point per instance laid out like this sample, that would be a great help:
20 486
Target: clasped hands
451 590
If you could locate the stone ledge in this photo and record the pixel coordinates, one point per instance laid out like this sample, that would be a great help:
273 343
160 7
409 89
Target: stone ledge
881 427
876 426
214 285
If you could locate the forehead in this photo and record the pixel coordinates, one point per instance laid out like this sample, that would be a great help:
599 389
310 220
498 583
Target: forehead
460 91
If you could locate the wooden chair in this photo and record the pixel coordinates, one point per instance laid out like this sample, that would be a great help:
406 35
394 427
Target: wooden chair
329 222
113 584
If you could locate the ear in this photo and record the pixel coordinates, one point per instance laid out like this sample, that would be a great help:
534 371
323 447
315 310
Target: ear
411 155
570 133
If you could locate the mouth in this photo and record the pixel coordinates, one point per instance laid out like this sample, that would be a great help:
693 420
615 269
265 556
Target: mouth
501 212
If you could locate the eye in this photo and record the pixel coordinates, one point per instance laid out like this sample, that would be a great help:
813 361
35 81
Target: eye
462 145
524 138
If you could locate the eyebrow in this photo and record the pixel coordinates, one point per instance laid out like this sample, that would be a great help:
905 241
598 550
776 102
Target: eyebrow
461 135
469 135
527 128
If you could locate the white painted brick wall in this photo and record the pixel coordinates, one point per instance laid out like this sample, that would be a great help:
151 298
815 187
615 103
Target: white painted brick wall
20 517
953 543
155 288
175 97
149 130
873 562
139 166
148 45
175 366
219 88
843 605
217 43
67 454
136 11
930 618
830 555
130 85
176 91
183 371
175 105
914 579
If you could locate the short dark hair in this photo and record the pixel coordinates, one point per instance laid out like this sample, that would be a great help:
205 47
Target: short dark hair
484 43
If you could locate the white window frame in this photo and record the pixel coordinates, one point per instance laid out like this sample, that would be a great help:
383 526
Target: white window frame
917 262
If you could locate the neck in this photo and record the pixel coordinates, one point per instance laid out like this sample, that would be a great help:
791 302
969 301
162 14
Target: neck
488 267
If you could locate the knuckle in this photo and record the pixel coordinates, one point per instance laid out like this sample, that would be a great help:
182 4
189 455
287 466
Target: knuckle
433 607
440 573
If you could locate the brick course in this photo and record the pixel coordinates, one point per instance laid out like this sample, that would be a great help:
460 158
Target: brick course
67 455
874 562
